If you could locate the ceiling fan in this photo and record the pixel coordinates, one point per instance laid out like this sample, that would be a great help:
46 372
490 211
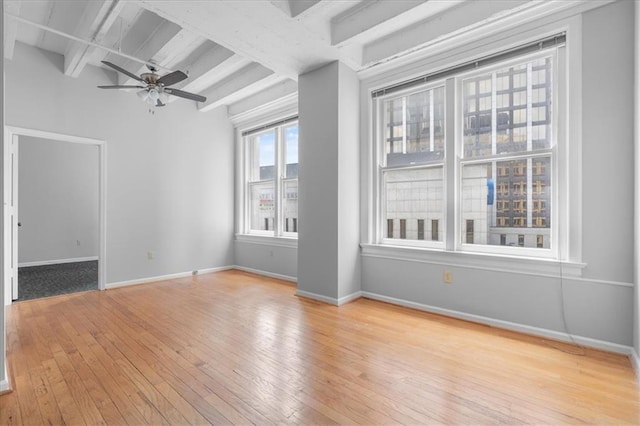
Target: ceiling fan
154 86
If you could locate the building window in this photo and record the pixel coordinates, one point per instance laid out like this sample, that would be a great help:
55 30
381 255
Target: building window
540 241
469 239
271 180
421 229
412 173
502 154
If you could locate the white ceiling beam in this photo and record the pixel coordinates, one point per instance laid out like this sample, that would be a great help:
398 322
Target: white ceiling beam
164 34
257 30
264 98
299 7
167 55
11 27
211 68
97 20
249 80
374 19
471 14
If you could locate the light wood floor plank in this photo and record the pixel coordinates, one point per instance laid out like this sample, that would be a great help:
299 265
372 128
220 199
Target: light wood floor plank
233 347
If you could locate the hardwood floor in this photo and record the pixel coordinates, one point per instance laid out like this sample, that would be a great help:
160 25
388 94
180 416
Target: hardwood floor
232 347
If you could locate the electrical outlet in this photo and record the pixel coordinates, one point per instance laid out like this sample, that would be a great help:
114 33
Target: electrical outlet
271 253
151 255
447 277
77 242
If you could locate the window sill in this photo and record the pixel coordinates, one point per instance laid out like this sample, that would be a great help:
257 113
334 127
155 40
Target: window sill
490 262
288 242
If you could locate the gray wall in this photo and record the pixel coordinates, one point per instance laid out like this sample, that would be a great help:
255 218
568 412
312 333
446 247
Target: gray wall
3 357
599 305
267 258
169 175
57 200
636 258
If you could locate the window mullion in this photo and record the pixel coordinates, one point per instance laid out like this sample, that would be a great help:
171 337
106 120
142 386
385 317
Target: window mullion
277 231
452 153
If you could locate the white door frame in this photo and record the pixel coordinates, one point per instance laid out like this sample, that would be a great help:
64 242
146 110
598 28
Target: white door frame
9 133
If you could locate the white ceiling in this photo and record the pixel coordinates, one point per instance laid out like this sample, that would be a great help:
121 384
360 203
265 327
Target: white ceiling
241 53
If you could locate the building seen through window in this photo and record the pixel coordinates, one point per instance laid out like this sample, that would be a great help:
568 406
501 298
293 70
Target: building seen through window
504 183
272 180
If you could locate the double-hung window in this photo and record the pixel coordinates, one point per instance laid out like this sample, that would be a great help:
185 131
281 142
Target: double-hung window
412 166
467 160
507 156
271 180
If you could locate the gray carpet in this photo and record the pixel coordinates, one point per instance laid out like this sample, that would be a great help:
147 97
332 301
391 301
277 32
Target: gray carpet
35 282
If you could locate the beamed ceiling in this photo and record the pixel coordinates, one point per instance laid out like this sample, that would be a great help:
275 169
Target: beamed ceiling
246 53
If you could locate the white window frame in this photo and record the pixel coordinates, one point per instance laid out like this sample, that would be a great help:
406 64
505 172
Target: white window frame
244 227
555 141
451 228
382 168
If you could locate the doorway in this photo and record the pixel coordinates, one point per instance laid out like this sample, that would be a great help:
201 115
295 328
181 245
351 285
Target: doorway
55 240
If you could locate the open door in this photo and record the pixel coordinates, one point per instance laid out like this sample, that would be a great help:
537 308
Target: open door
11 216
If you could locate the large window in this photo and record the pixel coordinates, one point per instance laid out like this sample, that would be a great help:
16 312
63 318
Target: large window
507 143
271 180
488 183
412 165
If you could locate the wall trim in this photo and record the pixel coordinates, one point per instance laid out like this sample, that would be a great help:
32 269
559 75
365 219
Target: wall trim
330 300
266 274
349 298
5 385
319 297
165 277
635 363
56 261
267 240
521 328
489 262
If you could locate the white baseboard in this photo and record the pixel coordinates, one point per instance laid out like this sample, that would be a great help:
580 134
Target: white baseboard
527 329
635 362
165 277
5 385
330 300
266 274
57 261
349 298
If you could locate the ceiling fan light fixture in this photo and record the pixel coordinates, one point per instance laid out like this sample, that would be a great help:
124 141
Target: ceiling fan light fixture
154 95
143 94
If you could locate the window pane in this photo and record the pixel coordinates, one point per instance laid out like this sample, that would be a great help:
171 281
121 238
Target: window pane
512 208
262 207
291 151
477 116
263 156
513 117
290 204
414 128
413 203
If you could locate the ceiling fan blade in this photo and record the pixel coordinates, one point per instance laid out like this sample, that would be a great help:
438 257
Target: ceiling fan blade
120 87
159 103
172 78
123 71
186 95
